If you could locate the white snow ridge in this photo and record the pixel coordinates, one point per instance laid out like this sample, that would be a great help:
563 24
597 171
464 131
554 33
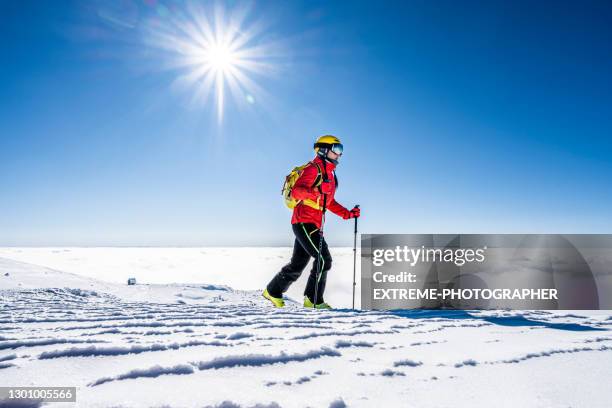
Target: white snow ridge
171 345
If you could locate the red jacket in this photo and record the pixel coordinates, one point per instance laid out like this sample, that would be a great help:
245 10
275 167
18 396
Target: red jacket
303 189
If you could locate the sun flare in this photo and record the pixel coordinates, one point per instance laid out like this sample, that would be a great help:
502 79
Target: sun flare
214 51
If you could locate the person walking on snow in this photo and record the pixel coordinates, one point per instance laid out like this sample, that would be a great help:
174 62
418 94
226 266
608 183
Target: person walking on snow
314 191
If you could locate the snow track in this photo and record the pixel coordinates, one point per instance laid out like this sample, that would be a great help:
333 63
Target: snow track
230 348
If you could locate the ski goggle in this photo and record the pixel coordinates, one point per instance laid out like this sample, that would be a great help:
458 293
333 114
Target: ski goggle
337 148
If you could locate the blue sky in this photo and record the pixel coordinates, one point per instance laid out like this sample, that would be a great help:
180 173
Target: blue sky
457 117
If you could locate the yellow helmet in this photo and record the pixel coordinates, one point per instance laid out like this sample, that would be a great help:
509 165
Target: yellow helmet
328 142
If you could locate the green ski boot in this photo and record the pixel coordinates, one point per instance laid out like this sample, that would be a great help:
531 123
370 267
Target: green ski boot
308 303
277 302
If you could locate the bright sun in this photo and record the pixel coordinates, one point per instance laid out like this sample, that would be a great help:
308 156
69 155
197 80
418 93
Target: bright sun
214 52
221 58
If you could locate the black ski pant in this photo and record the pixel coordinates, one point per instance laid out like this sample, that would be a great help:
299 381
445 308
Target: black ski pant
306 246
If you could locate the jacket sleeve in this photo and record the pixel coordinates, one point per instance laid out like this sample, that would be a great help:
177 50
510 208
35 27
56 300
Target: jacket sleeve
303 189
338 209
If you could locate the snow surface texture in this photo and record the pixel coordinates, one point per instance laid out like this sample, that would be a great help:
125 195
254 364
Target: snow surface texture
238 268
195 345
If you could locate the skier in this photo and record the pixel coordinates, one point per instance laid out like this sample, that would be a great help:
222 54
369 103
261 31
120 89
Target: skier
314 191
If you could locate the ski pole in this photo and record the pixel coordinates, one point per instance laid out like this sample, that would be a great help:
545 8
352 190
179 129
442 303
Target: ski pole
319 255
320 258
355 259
